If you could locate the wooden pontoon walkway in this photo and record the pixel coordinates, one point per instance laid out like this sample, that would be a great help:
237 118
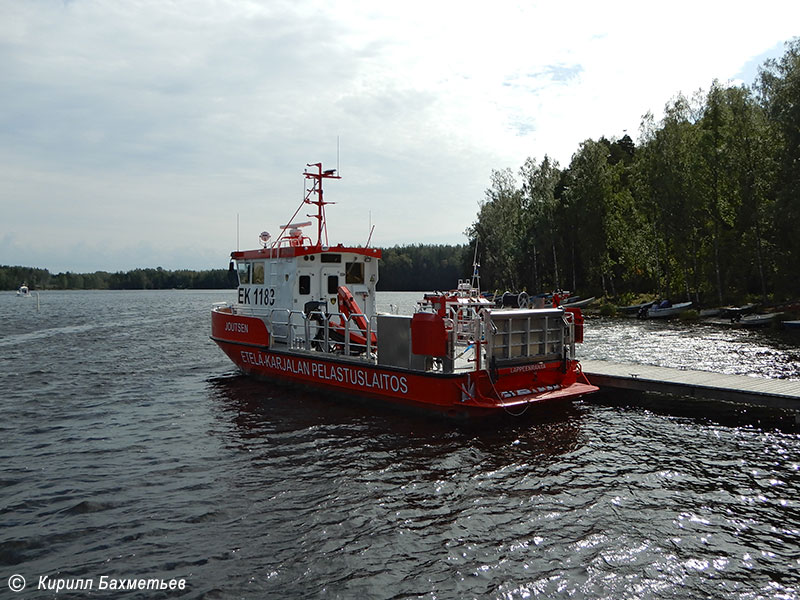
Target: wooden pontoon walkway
776 393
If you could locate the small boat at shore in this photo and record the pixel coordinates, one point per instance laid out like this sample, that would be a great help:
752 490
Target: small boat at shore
751 320
306 314
795 325
756 320
737 312
663 311
578 303
634 309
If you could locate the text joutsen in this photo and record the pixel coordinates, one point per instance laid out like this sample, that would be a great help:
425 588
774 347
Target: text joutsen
109 583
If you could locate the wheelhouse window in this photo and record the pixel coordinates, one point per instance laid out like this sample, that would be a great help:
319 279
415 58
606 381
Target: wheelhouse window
354 272
305 284
331 258
333 283
244 272
258 272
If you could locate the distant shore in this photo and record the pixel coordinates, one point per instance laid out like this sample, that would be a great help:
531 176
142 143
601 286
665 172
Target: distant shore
403 268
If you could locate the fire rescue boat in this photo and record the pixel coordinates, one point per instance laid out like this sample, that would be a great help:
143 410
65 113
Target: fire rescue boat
306 313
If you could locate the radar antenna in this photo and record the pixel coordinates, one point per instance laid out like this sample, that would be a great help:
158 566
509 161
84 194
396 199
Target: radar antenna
291 230
316 190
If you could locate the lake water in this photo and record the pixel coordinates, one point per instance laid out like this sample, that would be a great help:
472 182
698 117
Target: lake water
131 449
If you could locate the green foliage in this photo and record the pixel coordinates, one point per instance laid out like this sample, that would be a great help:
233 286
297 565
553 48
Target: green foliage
138 279
780 90
501 228
420 267
423 267
541 196
13 277
607 310
704 207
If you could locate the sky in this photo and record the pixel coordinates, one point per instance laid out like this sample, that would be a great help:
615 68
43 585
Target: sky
148 133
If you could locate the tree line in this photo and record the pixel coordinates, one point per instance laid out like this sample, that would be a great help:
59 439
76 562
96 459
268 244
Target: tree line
137 279
422 267
706 206
415 267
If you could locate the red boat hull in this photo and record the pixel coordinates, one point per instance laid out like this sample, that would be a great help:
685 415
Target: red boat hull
508 389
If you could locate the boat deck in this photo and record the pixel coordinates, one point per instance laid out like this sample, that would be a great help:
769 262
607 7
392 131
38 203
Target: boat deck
463 362
775 393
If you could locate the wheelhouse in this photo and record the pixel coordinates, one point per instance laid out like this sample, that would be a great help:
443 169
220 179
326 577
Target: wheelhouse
291 278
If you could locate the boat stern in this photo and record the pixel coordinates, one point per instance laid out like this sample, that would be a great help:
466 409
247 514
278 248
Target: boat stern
229 327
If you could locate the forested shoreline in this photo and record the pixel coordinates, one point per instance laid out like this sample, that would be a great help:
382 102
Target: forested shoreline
403 268
705 208
137 279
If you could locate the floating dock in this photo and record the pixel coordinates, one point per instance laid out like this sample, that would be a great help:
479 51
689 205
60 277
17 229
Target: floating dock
774 393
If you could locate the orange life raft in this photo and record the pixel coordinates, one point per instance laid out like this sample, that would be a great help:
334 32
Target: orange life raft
358 321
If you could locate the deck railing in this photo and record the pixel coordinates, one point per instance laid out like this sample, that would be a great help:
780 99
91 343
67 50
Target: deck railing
314 331
529 334
509 336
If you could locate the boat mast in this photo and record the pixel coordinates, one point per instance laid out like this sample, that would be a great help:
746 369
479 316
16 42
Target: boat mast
476 278
316 189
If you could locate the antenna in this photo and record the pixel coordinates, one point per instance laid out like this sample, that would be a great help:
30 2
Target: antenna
371 229
237 232
338 170
476 278
316 189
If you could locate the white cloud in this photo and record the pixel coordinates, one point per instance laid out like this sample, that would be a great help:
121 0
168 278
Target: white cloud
132 133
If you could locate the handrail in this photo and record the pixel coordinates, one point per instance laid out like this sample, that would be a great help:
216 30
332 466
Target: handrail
521 337
274 332
527 334
569 319
279 318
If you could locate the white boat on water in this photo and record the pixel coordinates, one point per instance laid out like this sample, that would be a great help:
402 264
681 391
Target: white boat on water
736 312
634 309
24 291
663 312
578 303
755 320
